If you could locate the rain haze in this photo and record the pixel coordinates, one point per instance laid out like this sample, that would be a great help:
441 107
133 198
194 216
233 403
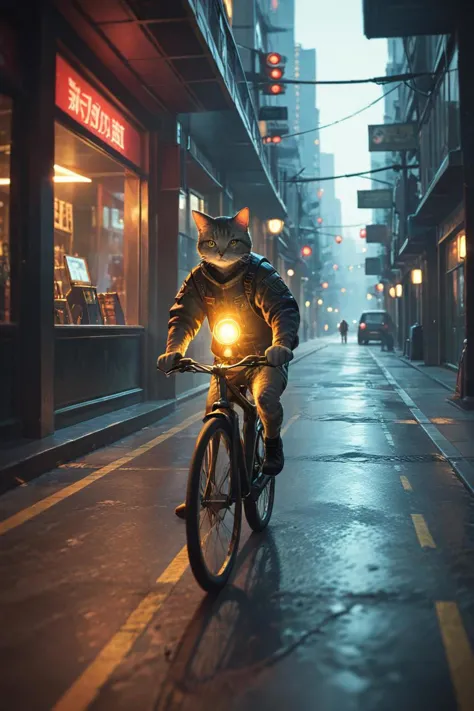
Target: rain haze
343 52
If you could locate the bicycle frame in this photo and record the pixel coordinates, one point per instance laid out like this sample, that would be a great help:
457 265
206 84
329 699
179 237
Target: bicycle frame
223 407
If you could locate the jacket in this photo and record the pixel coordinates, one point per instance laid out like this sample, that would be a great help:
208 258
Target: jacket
270 317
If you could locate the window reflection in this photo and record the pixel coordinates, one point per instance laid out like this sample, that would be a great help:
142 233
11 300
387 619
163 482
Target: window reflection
96 220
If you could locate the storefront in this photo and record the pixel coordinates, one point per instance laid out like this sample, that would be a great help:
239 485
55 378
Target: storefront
98 182
454 303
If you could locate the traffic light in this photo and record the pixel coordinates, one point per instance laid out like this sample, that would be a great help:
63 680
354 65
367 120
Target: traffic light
273 136
272 68
306 251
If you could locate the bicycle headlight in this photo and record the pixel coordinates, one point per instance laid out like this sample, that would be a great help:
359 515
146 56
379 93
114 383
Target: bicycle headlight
227 332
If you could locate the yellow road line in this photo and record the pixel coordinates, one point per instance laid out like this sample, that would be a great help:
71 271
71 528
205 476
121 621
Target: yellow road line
458 653
406 484
86 687
292 419
45 504
424 536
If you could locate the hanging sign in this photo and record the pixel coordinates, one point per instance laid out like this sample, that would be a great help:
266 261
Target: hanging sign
375 199
79 100
373 266
393 137
377 234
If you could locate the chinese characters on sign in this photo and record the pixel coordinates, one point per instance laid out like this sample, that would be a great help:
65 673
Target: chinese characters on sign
63 216
76 97
93 115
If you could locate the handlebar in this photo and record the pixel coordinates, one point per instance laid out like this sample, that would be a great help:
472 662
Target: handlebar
188 365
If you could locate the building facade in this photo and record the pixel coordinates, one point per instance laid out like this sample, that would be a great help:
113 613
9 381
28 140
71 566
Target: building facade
115 125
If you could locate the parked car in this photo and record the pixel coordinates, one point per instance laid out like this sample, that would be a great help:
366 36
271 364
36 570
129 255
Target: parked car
373 326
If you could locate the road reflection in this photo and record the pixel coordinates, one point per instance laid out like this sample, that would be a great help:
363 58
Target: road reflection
230 637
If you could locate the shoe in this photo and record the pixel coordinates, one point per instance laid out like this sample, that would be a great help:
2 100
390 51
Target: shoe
180 511
274 459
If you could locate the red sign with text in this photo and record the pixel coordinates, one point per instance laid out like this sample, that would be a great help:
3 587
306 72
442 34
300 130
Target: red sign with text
78 99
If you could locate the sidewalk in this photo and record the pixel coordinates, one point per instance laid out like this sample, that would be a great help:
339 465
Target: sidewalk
429 389
30 458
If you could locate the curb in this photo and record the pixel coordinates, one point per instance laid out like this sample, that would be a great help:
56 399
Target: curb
423 372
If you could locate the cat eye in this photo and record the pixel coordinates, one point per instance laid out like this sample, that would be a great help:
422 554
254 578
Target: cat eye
233 242
211 243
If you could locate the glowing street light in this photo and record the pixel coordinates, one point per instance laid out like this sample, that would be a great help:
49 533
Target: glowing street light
291 272
275 226
369 297
379 287
329 309
325 285
399 291
336 311
326 327
392 292
320 302
416 276
343 290
307 304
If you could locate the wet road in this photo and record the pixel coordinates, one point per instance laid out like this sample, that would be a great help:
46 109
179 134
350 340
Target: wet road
359 597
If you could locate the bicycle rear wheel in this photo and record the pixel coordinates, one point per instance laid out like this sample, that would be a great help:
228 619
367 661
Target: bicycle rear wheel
258 512
213 506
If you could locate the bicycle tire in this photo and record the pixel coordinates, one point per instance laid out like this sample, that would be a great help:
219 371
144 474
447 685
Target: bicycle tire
207 579
255 519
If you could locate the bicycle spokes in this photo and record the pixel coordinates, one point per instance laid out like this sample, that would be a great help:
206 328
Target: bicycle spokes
217 513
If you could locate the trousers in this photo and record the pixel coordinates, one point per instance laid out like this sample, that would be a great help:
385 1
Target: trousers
266 385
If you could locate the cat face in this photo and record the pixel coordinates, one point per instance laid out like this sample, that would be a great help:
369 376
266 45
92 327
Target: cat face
223 241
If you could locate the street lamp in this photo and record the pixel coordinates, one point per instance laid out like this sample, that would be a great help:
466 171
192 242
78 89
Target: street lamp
369 297
291 272
392 292
307 304
399 291
329 309
379 287
320 302
325 285
275 226
416 276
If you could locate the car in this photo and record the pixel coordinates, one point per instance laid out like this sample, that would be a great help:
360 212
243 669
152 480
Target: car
373 326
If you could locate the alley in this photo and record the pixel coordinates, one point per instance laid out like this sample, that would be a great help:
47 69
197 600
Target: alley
357 597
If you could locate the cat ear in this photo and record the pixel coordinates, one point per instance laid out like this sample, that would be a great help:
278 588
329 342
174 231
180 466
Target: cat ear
202 220
242 218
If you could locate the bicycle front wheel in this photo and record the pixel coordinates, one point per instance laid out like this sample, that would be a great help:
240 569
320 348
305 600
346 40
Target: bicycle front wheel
213 506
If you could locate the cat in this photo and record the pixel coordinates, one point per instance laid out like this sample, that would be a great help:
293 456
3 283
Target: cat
223 242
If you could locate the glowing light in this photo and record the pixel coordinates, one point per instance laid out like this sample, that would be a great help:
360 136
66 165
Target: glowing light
336 311
351 268
325 285
392 292
380 287
320 220
462 246
363 233
291 272
276 73
307 304
276 89
274 58
326 327
61 175
320 302
227 332
416 276
338 239
354 320
275 226
316 141
306 251
320 192
369 297
227 352
335 267
399 291
343 290
330 309
364 250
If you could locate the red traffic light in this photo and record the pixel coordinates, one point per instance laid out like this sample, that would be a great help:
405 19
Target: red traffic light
276 139
275 73
275 89
338 239
363 233
273 58
306 251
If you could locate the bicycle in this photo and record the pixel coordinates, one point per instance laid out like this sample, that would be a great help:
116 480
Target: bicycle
225 470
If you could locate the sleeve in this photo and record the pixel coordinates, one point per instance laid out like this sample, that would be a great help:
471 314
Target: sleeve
186 317
278 306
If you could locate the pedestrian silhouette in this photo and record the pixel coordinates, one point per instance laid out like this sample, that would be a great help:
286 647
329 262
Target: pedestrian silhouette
343 329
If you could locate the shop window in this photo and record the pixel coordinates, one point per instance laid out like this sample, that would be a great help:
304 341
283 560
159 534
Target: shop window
5 148
96 235
195 203
183 213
